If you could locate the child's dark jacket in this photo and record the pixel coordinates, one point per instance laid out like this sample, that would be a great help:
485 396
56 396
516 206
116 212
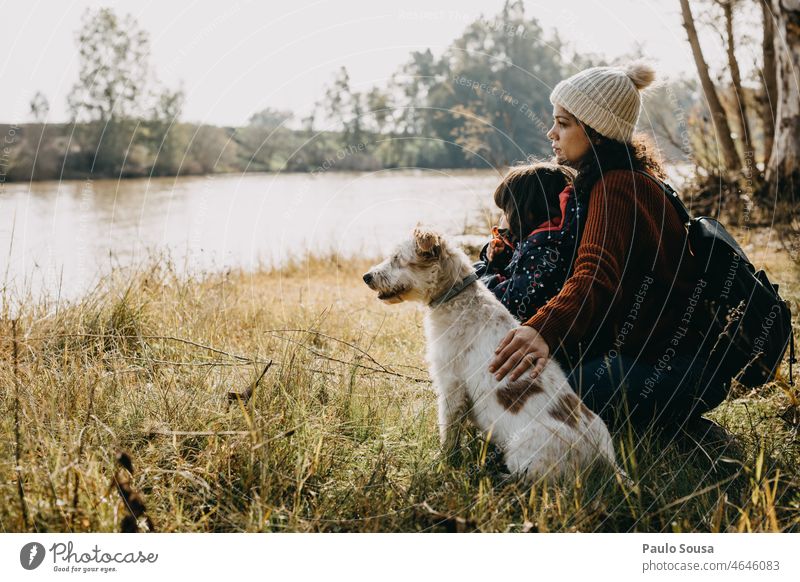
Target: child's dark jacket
526 277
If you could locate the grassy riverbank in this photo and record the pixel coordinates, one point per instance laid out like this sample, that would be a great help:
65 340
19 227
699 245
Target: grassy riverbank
340 434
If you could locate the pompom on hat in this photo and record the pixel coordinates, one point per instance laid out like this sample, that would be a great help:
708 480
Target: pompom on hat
607 99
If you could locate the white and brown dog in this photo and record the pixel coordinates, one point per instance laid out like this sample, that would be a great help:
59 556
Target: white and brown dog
541 425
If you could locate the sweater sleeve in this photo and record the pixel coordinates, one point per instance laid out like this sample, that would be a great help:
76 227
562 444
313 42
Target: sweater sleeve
586 297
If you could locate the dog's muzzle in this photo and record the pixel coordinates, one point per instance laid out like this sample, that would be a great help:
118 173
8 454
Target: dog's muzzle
368 278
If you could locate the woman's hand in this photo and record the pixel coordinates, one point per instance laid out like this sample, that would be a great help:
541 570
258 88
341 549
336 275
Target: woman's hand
519 350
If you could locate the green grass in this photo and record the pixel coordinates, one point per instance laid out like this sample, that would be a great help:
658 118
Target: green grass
340 435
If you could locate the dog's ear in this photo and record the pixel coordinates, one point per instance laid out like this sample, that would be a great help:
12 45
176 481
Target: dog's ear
427 243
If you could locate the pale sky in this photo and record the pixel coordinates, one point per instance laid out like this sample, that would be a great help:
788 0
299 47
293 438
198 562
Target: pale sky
239 56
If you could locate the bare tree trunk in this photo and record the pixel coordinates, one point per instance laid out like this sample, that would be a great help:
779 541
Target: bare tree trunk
770 97
736 78
730 156
783 170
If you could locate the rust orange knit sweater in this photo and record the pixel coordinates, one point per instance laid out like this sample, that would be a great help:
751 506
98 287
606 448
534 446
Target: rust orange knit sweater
631 280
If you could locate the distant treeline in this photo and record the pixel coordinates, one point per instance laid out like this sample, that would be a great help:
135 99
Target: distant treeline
129 150
483 103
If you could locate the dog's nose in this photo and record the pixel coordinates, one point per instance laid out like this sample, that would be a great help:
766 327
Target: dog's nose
368 278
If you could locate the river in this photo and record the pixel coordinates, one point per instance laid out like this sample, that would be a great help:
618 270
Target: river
59 238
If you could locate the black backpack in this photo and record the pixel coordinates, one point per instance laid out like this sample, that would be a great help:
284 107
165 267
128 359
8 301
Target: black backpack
746 323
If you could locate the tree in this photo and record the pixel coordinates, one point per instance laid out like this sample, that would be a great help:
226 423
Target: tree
499 74
769 95
345 108
354 131
39 107
783 169
113 70
730 157
337 99
379 107
411 87
270 118
165 132
736 78
210 150
476 135
111 89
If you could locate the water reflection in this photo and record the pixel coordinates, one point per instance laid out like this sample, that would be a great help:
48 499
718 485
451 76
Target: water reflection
65 235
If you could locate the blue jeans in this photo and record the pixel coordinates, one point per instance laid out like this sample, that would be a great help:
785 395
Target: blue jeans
668 393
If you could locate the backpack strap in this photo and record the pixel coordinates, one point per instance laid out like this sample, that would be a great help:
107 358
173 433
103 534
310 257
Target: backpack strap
672 196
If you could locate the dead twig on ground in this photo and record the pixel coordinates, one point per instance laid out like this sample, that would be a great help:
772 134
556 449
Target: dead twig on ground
245 395
132 499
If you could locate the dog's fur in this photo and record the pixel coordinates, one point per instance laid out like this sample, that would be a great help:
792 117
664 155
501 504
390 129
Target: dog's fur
541 425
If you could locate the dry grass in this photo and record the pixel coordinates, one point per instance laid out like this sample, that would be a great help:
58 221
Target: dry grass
340 433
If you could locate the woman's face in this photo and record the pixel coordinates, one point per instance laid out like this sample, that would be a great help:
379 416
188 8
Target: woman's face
569 140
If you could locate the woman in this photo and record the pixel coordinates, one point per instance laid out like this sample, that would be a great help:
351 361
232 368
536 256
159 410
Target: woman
623 320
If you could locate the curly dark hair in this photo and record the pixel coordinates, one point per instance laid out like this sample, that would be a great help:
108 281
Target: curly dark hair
609 154
528 195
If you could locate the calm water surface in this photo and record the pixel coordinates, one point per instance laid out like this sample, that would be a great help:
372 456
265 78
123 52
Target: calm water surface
66 235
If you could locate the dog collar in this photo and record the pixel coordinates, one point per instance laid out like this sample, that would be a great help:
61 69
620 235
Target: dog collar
454 290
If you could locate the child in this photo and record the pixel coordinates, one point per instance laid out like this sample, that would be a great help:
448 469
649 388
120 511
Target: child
526 263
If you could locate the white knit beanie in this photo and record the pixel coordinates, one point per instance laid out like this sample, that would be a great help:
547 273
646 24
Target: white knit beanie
607 99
